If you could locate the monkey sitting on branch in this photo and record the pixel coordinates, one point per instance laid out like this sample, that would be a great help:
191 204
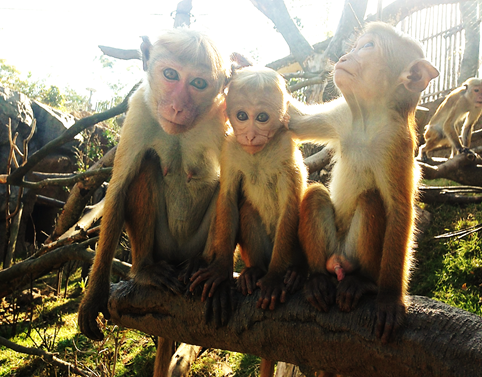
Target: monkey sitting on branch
361 230
462 104
165 178
262 181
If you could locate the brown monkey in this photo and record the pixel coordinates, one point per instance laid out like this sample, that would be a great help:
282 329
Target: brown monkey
462 104
262 181
361 230
165 180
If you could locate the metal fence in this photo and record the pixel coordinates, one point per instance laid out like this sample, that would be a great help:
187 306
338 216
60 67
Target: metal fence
440 29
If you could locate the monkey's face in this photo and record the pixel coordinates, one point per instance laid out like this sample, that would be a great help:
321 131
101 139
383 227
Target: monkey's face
476 95
180 94
362 72
254 122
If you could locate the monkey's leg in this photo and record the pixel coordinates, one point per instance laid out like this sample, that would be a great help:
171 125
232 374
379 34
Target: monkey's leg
143 201
365 238
317 234
165 350
255 248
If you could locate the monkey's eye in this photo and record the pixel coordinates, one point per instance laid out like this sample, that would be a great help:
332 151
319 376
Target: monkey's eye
242 116
368 44
476 90
199 83
171 74
262 117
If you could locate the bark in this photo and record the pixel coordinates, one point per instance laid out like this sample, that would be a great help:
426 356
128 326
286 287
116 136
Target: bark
450 194
183 14
79 196
20 275
276 11
119 53
435 340
463 168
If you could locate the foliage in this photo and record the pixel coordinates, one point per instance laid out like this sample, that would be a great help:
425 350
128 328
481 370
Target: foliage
39 90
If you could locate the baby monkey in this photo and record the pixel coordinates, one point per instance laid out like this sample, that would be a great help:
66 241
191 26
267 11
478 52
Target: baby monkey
263 179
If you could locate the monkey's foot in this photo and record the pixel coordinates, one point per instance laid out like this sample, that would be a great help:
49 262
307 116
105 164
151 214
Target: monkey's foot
351 289
273 289
320 291
192 266
390 315
212 276
248 278
295 278
220 305
161 275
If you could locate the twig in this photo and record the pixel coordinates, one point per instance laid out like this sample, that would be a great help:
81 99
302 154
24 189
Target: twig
46 356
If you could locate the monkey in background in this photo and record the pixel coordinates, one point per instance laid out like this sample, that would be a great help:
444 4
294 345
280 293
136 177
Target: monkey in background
166 173
361 230
462 104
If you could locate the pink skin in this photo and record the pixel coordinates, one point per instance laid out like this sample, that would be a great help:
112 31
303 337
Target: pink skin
478 96
339 266
252 140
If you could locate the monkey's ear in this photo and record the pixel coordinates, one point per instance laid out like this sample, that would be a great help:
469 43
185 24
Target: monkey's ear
418 74
145 50
286 118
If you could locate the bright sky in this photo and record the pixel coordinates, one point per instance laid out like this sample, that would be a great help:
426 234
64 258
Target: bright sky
57 40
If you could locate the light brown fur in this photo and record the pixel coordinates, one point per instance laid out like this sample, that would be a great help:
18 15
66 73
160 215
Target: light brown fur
462 104
374 178
166 170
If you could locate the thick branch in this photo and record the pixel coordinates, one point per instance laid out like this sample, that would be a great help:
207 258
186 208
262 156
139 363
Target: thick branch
436 339
21 274
47 356
462 169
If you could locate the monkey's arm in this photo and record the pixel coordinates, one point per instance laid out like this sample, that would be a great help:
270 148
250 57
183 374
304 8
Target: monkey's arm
395 262
319 123
219 249
449 126
468 126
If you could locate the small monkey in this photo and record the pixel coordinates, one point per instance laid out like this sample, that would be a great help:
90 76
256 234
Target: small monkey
462 104
361 229
262 181
166 172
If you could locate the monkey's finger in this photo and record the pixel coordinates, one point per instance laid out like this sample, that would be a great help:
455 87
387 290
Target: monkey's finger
320 298
241 284
383 328
208 311
196 280
225 304
251 283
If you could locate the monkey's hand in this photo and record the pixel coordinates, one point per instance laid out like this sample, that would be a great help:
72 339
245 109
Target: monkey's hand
390 315
160 275
272 289
94 302
248 278
351 289
191 267
213 275
320 291
295 278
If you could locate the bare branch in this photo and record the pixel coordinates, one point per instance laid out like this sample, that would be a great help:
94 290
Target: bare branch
47 356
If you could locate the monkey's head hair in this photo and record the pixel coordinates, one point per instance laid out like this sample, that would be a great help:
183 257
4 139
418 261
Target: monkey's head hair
399 49
191 47
260 83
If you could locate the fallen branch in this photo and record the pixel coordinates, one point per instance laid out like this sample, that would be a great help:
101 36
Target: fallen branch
46 356
318 160
463 168
436 339
450 194
21 274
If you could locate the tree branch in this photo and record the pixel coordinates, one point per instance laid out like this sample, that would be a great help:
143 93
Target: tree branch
47 356
436 339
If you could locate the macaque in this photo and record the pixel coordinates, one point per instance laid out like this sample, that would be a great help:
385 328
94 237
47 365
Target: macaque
262 181
361 229
166 172
462 104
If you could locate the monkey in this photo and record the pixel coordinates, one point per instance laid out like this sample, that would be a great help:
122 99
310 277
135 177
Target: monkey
262 181
165 178
462 104
360 230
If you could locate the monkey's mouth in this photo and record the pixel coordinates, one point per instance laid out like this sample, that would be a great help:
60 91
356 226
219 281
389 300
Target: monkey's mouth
172 128
252 149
